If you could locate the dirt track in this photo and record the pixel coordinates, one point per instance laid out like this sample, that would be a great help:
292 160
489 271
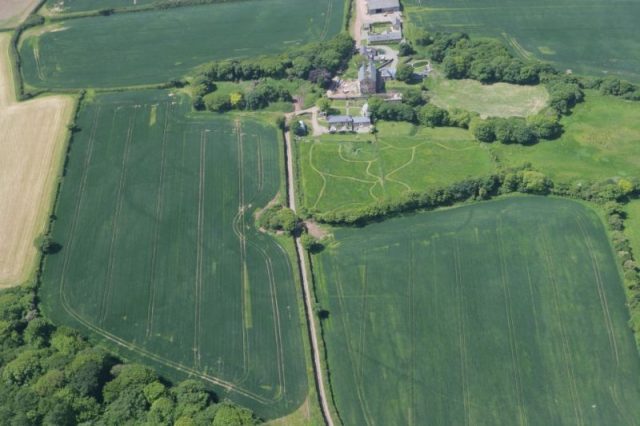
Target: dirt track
32 136
14 11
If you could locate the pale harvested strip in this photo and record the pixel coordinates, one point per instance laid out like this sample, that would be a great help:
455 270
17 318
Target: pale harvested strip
32 136
12 12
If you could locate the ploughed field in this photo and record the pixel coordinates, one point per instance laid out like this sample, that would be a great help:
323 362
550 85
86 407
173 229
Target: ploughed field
157 46
592 36
160 258
503 312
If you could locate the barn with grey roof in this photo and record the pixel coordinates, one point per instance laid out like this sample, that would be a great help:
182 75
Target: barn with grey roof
382 6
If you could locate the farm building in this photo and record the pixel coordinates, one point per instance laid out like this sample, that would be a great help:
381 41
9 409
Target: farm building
340 123
382 6
388 74
368 78
347 123
361 123
385 37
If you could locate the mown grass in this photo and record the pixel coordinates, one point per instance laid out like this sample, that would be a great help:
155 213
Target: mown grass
494 100
601 140
341 171
594 37
160 258
505 312
154 47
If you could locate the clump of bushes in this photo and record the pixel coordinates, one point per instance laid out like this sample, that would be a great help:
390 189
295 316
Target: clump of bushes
278 218
259 96
488 61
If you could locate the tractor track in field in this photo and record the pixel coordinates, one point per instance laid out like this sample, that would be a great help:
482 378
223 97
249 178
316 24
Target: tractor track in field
158 219
566 350
115 228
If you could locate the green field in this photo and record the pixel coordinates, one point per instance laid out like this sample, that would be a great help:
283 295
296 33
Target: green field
154 47
160 258
590 36
601 141
343 171
494 100
505 312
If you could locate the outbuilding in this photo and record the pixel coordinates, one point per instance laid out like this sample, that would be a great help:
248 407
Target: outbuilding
382 6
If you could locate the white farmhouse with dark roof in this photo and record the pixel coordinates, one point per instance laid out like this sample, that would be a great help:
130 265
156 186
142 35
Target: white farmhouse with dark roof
382 6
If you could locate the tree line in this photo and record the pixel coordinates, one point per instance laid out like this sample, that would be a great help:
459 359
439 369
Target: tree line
522 179
52 376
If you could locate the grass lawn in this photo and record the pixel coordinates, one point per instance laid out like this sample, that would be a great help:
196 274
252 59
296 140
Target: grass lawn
160 258
601 140
495 100
505 312
342 171
592 36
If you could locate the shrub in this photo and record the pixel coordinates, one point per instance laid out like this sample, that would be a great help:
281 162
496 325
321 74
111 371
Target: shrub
513 130
404 72
483 130
217 102
278 218
433 116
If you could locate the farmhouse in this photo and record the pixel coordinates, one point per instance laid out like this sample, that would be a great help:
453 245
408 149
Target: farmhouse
368 78
340 123
382 6
347 123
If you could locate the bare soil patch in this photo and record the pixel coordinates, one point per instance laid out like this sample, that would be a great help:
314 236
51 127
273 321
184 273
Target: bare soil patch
32 136
315 230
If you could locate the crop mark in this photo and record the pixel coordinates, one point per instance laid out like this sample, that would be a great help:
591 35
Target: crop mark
115 226
199 250
513 346
350 350
363 319
276 315
158 219
81 192
229 386
327 20
462 339
601 292
239 229
568 359
412 319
